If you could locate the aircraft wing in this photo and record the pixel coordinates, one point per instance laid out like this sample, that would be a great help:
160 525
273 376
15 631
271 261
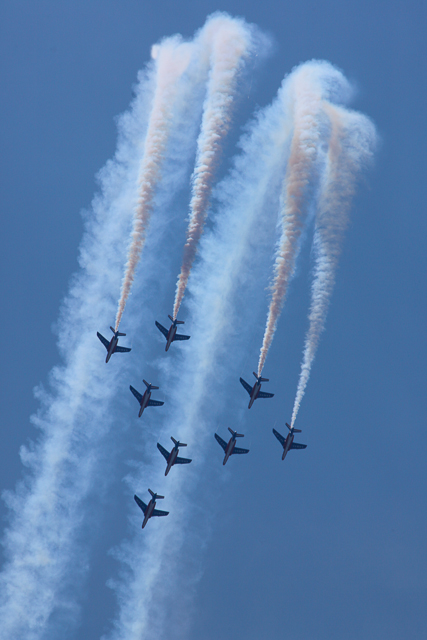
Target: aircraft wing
181 337
140 504
280 438
182 460
158 512
221 441
163 451
154 403
103 340
136 393
246 385
238 450
264 394
122 349
162 329
295 445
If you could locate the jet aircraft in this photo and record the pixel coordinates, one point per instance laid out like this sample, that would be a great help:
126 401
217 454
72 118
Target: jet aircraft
144 400
149 509
171 335
112 346
172 457
288 442
255 391
230 447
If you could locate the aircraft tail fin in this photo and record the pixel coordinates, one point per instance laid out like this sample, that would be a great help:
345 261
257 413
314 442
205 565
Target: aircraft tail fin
235 434
260 379
119 334
180 444
177 321
152 494
148 384
290 428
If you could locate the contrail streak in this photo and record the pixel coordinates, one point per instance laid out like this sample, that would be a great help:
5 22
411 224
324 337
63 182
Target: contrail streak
44 554
306 99
230 41
172 58
351 147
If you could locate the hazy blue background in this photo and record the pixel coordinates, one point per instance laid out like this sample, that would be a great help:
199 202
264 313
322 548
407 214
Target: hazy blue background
330 543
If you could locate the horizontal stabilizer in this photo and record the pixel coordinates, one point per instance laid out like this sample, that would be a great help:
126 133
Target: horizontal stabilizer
176 321
235 434
180 444
152 494
261 379
290 428
148 384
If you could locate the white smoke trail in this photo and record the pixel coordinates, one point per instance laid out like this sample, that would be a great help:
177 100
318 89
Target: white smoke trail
351 147
310 83
152 559
44 558
172 58
230 40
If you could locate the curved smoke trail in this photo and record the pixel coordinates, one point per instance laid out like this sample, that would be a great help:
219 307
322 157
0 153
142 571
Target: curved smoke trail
351 147
306 99
230 47
172 58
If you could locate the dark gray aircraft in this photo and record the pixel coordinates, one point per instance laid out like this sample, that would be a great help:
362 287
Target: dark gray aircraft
288 442
112 346
255 391
172 457
144 400
230 447
171 335
149 509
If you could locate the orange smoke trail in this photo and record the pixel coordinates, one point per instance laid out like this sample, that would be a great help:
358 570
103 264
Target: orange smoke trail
351 146
172 58
301 168
230 41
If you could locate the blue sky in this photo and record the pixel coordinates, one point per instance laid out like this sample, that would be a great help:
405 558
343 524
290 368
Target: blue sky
330 543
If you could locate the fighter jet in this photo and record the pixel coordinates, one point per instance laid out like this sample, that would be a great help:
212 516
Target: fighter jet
230 448
172 457
149 509
112 346
171 335
255 391
144 400
288 442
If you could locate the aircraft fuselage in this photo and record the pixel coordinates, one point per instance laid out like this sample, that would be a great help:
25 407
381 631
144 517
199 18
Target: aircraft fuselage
111 347
229 450
171 460
148 512
254 394
144 401
288 441
171 335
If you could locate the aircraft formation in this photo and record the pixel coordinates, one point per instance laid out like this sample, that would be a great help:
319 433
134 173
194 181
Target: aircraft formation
172 458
